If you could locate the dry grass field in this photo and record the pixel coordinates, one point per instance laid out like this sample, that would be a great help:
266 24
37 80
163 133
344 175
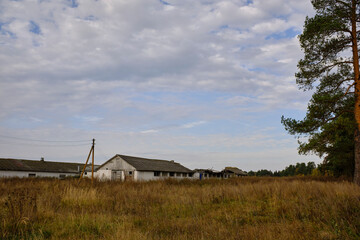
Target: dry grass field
246 208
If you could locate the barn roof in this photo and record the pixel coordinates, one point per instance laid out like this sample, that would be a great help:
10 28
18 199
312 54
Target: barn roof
235 170
10 164
146 164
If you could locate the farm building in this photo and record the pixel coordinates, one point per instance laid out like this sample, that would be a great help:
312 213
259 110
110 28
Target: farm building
39 168
207 173
121 167
233 172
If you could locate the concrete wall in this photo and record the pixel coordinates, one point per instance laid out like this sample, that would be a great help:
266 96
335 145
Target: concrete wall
22 174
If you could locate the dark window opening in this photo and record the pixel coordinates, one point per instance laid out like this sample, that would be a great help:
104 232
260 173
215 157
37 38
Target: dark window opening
178 174
62 176
184 175
156 174
172 174
130 172
32 175
191 174
164 174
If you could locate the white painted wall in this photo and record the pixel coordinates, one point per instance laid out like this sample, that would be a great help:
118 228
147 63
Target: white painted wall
22 174
103 174
117 166
147 176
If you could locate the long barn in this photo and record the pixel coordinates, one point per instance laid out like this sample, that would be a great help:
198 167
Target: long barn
10 167
122 167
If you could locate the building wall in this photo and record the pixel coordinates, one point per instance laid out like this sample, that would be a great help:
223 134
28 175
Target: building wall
116 169
147 176
22 174
118 163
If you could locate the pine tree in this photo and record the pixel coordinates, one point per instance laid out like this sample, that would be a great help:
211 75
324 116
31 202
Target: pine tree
331 66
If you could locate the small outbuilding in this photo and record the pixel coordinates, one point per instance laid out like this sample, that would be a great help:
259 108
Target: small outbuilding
122 167
233 172
207 173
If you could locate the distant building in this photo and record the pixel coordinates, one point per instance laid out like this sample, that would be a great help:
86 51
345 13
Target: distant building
233 172
207 173
39 168
121 167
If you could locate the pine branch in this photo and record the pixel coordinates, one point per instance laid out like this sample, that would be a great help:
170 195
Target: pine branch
343 3
336 116
341 82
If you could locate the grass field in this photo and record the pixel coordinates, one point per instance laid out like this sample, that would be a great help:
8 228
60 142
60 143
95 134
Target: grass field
246 208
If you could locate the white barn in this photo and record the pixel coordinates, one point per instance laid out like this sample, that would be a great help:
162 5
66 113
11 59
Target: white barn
10 167
122 167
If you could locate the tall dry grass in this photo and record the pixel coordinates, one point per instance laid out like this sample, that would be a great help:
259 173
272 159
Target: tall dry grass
246 208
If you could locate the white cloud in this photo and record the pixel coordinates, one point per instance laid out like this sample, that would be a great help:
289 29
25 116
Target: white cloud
193 124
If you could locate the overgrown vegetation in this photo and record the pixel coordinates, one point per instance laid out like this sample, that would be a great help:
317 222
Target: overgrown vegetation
242 208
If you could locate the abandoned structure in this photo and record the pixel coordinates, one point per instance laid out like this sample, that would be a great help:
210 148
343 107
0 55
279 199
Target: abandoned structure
207 173
121 167
10 167
233 172
228 172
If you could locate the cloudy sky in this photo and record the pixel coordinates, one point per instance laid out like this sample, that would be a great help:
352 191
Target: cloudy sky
203 82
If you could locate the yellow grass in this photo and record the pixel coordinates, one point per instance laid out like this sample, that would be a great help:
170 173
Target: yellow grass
247 208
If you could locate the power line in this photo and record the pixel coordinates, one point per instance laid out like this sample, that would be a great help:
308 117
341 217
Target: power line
45 145
38 140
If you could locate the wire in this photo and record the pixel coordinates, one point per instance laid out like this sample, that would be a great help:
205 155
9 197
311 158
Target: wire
45 145
37 140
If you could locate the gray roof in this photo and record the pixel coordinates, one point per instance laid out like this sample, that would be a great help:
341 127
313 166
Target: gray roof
145 164
235 170
10 164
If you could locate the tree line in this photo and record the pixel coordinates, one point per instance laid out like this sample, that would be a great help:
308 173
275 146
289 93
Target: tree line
306 169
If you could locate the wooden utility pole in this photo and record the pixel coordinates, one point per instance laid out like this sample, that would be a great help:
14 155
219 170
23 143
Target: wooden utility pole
92 166
92 150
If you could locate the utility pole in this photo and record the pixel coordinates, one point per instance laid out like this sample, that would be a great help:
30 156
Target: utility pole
92 167
92 150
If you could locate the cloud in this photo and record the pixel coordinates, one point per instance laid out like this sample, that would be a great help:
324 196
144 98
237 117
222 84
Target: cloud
149 131
193 124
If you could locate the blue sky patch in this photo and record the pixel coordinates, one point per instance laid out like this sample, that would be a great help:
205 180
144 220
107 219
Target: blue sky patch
163 2
73 3
34 27
288 33
5 32
91 18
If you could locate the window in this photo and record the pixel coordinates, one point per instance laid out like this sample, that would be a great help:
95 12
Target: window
191 174
156 174
164 174
130 173
205 175
178 174
184 175
172 174
32 175
62 176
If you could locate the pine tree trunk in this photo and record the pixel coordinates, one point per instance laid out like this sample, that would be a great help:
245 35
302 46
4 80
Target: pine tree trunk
357 92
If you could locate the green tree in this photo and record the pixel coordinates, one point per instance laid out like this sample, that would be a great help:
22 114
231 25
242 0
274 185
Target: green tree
331 65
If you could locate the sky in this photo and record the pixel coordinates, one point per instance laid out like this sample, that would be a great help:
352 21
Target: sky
202 82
